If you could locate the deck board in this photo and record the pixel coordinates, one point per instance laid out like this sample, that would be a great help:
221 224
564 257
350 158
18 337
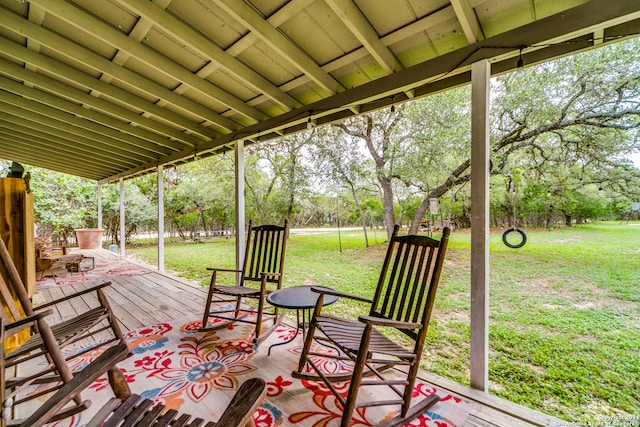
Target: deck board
156 297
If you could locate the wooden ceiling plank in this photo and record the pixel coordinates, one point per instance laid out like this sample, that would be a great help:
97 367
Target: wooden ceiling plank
285 47
353 19
45 146
128 141
67 73
597 13
44 149
389 39
24 122
401 34
468 20
211 51
73 132
103 65
22 126
48 162
153 59
282 15
33 79
102 119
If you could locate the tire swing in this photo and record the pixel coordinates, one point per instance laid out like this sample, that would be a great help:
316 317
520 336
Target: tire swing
523 237
514 229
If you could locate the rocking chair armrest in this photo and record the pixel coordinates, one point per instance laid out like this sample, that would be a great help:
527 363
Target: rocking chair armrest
224 270
80 381
15 327
378 321
327 291
68 297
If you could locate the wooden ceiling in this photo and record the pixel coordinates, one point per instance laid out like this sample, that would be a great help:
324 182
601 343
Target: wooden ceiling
105 89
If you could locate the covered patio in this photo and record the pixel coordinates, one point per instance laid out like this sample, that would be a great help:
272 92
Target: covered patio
146 299
111 90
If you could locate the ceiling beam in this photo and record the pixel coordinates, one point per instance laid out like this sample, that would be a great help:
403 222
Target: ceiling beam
389 39
152 58
32 79
47 160
207 49
43 146
101 133
244 14
67 73
355 21
468 20
282 15
57 137
110 122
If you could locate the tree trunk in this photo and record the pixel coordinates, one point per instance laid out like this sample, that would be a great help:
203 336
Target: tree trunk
362 219
387 201
567 220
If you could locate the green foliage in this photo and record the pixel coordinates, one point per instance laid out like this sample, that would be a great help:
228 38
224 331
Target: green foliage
140 212
62 203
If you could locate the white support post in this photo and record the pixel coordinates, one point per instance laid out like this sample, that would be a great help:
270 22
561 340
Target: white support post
239 170
122 224
480 77
100 206
160 218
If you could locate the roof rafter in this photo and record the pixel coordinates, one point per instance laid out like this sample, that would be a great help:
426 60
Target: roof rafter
399 35
78 126
153 59
42 145
66 72
95 116
285 47
468 20
32 79
453 65
351 16
43 130
211 51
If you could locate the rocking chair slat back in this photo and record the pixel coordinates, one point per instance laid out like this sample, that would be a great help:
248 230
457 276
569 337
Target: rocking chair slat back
265 252
407 285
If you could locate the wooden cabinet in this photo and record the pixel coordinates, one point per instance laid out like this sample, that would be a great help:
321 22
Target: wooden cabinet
17 229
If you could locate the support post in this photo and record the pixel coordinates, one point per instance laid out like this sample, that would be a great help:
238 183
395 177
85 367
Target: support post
122 224
100 206
239 171
160 218
480 76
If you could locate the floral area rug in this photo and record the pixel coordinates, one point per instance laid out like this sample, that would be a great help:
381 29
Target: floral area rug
113 266
198 373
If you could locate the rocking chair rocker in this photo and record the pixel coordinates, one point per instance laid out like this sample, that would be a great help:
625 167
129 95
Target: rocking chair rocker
403 301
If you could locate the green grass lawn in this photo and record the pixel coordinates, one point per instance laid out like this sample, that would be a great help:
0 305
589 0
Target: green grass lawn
565 308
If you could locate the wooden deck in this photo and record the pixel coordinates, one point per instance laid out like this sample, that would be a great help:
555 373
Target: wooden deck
155 297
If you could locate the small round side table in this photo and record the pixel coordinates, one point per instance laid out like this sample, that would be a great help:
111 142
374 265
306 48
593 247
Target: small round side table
299 298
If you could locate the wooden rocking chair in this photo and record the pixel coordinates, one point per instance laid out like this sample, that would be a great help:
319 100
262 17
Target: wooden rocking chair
45 340
261 274
41 343
403 301
128 409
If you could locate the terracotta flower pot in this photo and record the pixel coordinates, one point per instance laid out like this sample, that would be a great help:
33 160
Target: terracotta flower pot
89 238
